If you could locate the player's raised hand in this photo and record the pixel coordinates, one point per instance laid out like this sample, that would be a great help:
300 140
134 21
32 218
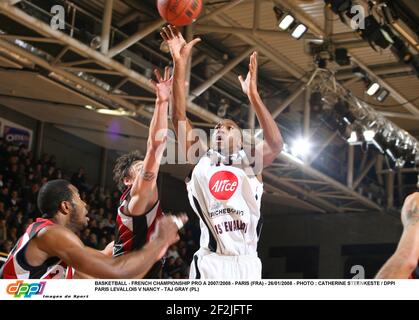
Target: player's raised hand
163 85
179 48
249 84
167 230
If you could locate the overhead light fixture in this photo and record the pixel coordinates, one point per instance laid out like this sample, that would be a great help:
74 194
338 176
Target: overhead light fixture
339 6
285 19
116 112
299 31
383 95
286 22
353 139
94 41
374 33
111 112
341 57
369 135
300 147
359 72
373 88
355 136
400 49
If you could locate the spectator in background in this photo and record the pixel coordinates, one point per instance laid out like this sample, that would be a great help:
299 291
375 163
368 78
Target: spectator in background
78 179
58 174
92 201
3 230
4 196
7 246
94 228
52 161
13 235
169 267
38 172
181 268
15 203
109 207
92 241
32 194
172 252
44 180
85 235
102 243
51 173
17 221
108 224
2 209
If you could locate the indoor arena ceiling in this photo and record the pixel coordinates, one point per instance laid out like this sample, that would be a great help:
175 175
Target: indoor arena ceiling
62 74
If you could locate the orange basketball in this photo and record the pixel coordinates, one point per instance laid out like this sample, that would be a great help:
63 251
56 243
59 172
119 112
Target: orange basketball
179 12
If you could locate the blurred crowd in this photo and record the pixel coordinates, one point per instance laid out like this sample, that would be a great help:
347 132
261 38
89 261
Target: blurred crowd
21 177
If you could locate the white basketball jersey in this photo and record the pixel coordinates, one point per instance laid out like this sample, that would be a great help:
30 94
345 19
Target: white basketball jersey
227 200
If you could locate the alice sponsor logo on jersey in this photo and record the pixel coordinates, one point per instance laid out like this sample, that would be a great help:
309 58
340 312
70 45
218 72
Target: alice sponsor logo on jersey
21 289
223 184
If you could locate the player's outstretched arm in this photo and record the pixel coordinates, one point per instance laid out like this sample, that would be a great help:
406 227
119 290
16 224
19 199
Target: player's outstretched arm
181 52
272 143
144 192
60 242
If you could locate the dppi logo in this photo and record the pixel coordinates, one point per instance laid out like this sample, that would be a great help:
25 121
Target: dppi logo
223 184
20 289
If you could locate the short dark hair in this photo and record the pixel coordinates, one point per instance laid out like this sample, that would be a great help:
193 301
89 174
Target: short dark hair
52 194
123 165
233 119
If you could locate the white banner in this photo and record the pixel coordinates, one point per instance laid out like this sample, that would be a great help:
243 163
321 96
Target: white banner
208 290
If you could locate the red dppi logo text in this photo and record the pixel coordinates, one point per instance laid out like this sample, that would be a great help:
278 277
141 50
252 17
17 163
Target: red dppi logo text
20 289
223 185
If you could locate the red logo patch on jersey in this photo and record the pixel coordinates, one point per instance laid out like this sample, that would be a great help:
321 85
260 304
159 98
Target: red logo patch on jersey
223 184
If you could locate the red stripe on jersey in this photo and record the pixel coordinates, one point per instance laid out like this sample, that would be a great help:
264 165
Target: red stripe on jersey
125 234
124 195
9 269
30 228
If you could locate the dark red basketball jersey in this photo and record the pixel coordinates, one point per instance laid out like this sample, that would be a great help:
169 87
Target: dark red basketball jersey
16 266
133 232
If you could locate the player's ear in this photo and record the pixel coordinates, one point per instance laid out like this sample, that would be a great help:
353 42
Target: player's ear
65 207
126 181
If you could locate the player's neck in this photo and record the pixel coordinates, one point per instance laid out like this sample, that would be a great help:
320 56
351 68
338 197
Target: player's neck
225 153
61 220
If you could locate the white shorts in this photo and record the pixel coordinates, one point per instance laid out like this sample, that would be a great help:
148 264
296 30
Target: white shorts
210 265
